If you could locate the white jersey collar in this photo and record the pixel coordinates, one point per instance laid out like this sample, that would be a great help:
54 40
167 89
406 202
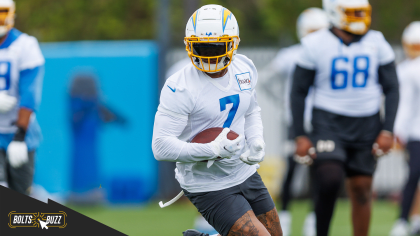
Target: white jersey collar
219 86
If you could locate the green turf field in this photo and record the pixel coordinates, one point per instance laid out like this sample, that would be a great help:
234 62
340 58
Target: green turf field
171 221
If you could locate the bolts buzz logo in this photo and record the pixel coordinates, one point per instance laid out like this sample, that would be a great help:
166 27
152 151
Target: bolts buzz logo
37 220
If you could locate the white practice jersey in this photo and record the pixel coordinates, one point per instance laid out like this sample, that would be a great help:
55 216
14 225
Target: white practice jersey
205 103
346 81
20 52
407 123
283 66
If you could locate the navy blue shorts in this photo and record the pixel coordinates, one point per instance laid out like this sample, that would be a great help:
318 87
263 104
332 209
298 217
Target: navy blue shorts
348 140
224 207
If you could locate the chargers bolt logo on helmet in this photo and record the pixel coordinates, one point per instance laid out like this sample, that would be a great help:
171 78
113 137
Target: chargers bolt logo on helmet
7 16
212 38
353 16
411 40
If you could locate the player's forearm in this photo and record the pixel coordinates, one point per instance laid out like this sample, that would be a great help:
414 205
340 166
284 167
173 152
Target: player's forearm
389 81
167 147
302 81
24 118
174 150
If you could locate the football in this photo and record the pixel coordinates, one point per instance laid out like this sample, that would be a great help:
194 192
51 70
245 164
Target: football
211 134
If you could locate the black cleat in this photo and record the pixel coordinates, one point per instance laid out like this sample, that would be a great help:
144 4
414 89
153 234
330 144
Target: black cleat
193 232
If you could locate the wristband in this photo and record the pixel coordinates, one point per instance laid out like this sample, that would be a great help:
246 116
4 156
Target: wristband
20 135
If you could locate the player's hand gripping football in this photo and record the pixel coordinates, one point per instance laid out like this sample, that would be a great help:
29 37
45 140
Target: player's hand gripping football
17 153
383 144
255 154
7 102
305 151
225 148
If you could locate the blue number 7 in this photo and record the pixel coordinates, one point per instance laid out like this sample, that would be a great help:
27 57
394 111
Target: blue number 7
227 100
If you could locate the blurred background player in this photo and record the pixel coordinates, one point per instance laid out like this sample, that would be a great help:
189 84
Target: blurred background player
407 125
21 74
229 193
349 67
281 71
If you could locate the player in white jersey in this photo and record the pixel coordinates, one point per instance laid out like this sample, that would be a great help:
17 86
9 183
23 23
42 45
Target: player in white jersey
21 71
216 90
281 70
349 68
407 124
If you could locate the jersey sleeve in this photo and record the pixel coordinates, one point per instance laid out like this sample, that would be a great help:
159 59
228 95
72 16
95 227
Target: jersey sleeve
167 147
176 100
386 54
306 59
31 56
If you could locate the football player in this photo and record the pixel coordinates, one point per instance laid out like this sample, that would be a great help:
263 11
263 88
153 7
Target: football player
21 73
407 125
282 68
216 90
349 68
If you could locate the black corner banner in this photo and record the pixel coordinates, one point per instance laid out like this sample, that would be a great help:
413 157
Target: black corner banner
23 215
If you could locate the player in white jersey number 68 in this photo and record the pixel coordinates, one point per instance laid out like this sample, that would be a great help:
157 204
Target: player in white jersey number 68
216 90
349 68
21 71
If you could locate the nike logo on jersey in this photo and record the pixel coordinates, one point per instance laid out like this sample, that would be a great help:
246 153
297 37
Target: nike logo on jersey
173 90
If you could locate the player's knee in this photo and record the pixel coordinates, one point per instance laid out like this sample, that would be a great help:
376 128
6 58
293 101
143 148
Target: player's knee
330 186
361 194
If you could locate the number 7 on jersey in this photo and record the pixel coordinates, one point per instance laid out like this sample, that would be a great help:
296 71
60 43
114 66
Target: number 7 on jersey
234 99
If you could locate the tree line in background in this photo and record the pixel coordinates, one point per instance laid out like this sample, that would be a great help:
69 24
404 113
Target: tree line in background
262 22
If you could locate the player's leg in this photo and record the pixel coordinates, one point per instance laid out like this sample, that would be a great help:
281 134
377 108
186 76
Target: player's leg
261 203
328 178
401 226
360 167
415 214
359 190
227 211
249 224
284 214
413 179
20 179
285 190
3 168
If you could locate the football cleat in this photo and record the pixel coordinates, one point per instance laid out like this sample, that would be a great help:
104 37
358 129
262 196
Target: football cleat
400 228
309 227
7 16
193 232
311 20
212 38
411 40
353 16
415 225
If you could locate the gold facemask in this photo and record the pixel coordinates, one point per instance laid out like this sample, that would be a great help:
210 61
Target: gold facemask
357 15
206 62
411 50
